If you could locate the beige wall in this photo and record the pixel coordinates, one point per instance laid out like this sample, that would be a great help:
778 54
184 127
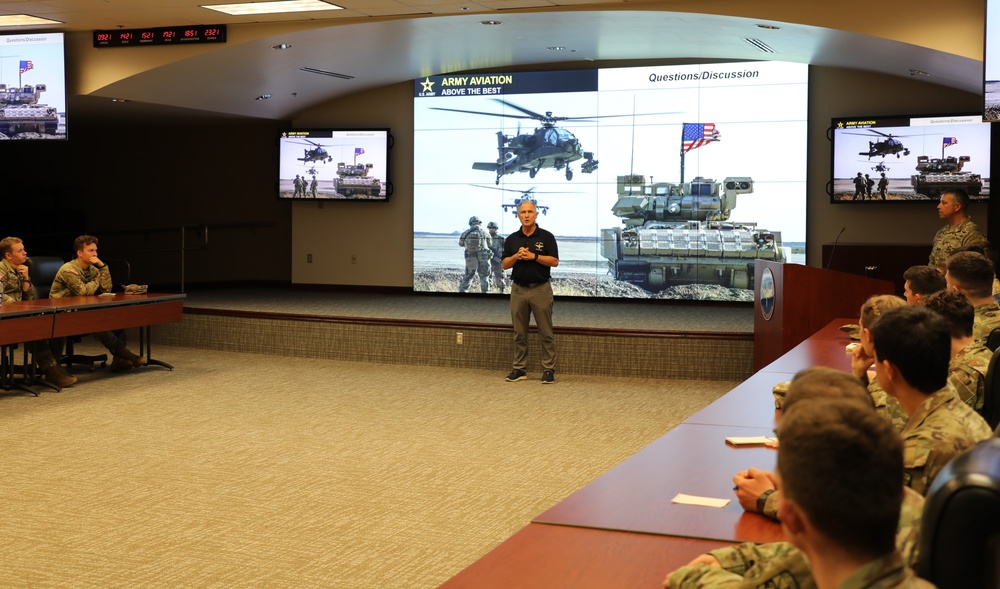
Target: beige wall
380 236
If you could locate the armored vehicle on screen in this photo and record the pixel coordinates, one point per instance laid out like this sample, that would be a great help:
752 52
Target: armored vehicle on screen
934 176
21 113
353 180
679 233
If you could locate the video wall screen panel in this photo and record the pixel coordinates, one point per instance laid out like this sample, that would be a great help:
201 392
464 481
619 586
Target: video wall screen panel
32 86
991 63
658 182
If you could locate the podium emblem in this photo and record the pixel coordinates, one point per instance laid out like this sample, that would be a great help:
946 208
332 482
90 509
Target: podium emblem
765 294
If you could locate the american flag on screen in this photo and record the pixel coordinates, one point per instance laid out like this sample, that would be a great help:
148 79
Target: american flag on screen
698 134
949 141
358 151
26 65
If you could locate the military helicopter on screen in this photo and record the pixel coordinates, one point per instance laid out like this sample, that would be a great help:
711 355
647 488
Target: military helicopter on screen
316 154
547 146
889 146
525 195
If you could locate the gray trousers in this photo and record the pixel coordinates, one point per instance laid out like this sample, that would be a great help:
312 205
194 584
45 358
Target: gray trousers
536 301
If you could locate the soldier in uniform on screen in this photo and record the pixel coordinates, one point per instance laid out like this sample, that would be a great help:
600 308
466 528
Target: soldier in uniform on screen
496 261
859 187
476 242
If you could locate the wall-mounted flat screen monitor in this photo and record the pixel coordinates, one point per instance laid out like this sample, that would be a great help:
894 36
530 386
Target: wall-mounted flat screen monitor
657 182
334 164
902 159
991 63
32 86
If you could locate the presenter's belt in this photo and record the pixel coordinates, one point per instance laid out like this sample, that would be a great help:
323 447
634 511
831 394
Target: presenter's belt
531 284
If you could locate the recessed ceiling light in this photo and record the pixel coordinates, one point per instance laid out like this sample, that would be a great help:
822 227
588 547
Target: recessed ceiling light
918 73
555 48
770 27
119 100
25 20
491 23
276 6
263 97
281 46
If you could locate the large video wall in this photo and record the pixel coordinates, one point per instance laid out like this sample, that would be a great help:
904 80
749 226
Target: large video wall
665 181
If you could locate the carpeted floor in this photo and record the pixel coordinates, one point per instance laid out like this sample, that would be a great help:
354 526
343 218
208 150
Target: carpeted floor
242 470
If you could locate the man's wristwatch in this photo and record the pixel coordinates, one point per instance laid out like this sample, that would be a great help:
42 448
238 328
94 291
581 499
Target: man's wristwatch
762 500
536 255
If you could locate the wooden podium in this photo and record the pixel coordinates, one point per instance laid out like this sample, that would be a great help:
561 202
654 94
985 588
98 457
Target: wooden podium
799 301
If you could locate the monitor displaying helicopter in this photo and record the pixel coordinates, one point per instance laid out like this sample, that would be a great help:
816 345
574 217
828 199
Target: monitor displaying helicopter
485 143
928 155
334 164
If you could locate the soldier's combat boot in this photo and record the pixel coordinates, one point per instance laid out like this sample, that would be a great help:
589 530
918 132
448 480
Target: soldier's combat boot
126 360
58 376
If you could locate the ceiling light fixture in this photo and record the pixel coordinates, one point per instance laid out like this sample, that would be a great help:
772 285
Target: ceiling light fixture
119 100
281 46
277 6
556 48
918 73
770 27
263 97
491 23
759 44
26 20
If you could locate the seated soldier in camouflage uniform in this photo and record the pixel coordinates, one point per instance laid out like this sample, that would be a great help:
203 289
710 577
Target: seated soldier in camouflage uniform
969 360
826 441
920 281
972 274
912 351
88 275
17 286
863 357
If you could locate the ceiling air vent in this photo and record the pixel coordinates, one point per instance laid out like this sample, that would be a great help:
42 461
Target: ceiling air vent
313 70
759 45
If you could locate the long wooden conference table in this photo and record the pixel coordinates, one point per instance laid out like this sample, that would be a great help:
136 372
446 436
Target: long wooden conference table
42 319
623 530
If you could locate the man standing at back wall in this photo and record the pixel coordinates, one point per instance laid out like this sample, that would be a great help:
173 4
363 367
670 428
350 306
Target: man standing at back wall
531 252
88 275
960 230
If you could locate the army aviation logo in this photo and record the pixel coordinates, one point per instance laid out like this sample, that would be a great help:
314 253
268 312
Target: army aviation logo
539 246
765 293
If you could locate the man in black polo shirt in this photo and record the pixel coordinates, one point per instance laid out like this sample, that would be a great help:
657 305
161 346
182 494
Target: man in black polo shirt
531 251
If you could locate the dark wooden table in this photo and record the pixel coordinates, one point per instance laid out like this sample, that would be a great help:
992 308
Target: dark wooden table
541 556
693 459
750 404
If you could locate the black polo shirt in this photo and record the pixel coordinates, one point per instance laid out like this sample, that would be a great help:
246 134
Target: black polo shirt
540 242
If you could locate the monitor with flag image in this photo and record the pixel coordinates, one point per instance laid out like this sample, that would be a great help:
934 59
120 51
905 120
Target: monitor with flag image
334 164
906 159
658 182
32 86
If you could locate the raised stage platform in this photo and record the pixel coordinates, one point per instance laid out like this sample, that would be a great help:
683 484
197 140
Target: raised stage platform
655 339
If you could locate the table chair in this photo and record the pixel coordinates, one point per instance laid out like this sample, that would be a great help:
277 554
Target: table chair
960 531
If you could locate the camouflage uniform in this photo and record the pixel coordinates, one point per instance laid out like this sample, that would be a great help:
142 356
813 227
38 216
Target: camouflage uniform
784 566
941 428
73 280
475 240
13 291
887 406
986 320
496 261
967 374
887 572
13 286
949 238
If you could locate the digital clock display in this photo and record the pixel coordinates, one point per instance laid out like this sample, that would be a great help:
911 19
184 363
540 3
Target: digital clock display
161 36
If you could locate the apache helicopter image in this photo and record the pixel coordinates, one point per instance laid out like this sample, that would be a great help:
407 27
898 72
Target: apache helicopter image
889 146
880 167
547 146
526 195
315 154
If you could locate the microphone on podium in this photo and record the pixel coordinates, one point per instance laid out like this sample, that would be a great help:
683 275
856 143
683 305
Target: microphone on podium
833 249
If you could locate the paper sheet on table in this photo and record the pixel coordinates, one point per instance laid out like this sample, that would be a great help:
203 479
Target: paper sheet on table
702 501
749 440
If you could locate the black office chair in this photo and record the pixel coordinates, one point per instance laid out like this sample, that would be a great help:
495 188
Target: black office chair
991 394
960 531
993 340
42 270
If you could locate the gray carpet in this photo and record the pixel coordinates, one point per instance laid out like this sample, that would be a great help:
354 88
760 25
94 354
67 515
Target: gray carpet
242 470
